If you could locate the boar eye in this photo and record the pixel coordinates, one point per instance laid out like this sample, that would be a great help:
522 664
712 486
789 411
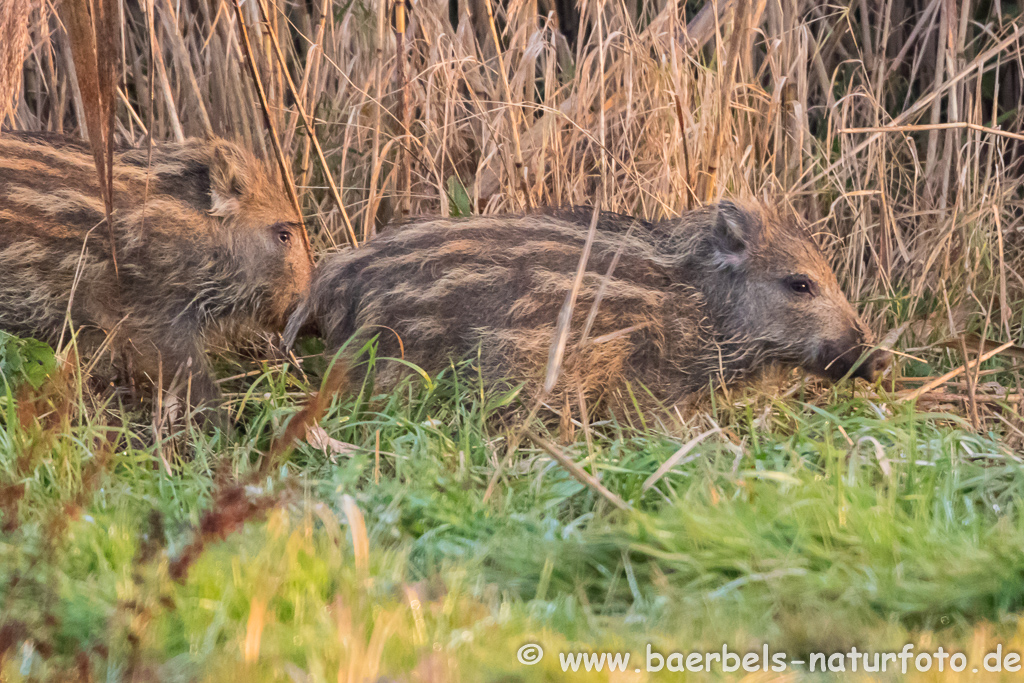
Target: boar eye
284 235
800 285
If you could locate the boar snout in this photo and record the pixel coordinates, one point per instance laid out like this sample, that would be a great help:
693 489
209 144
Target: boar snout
874 364
855 353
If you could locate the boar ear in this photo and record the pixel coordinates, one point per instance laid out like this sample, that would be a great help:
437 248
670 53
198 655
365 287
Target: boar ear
734 233
227 180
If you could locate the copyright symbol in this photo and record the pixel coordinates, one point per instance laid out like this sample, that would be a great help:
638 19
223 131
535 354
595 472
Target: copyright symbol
530 654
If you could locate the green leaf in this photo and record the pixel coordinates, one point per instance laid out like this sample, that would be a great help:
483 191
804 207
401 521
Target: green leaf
458 199
25 360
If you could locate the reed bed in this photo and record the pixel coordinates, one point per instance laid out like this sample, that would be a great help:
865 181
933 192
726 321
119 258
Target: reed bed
893 126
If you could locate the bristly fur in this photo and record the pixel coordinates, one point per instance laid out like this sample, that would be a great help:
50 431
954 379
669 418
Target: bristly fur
707 297
204 238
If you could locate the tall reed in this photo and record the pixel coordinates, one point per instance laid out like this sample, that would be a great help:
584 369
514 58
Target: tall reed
893 126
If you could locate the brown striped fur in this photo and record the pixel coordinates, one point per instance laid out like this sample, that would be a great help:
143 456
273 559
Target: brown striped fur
707 297
205 240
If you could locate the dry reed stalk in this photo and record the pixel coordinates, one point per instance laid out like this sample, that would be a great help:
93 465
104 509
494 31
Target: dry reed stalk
958 125
94 38
969 365
576 471
563 326
399 12
95 41
171 108
512 109
1016 36
268 118
725 98
14 35
184 64
311 132
678 458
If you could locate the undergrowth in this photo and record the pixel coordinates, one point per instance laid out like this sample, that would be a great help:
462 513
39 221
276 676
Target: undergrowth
841 520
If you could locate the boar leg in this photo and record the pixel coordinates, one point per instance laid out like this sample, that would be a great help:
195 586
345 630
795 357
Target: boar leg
180 363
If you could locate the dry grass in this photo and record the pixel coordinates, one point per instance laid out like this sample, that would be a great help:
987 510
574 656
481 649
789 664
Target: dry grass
891 126
14 20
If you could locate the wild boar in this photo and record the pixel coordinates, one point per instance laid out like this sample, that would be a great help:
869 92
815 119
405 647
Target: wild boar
713 296
204 237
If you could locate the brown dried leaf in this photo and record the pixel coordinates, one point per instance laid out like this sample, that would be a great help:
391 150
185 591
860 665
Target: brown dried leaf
321 440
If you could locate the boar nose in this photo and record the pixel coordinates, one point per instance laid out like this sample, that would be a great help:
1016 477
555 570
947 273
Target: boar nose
873 365
878 359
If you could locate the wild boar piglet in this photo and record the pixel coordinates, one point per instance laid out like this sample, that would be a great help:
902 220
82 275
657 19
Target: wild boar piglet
205 240
713 296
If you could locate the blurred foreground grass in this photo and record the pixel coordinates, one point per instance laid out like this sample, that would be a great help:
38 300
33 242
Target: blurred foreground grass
811 526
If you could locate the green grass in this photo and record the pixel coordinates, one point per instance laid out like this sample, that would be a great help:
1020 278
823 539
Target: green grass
813 527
